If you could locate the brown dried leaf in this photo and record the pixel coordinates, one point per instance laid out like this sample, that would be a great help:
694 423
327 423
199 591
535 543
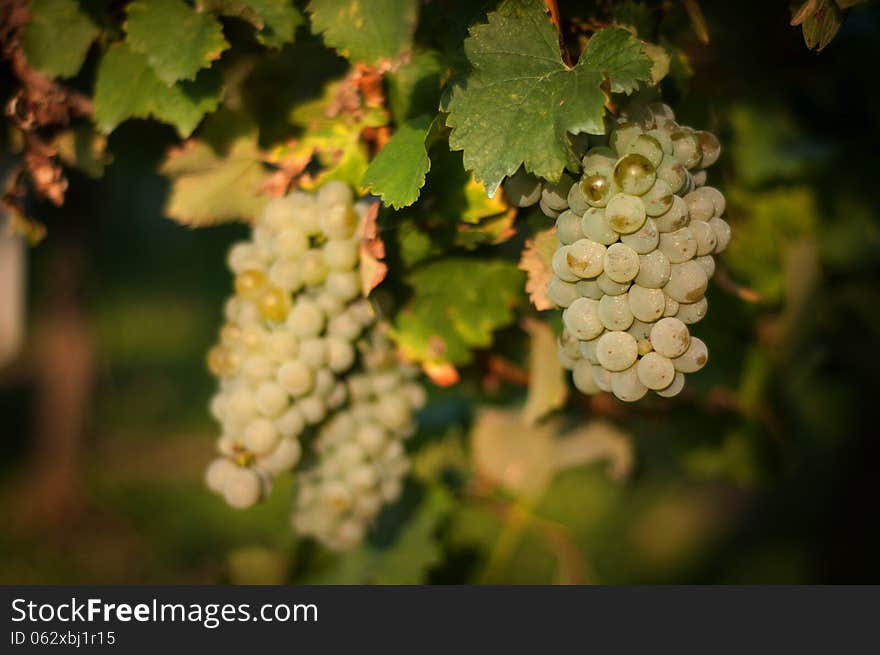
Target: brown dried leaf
535 261
373 270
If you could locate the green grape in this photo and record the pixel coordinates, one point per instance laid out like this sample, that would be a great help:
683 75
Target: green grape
617 350
577 200
312 268
568 227
582 376
670 337
341 255
659 199
717 198
640 330
662 113
548 211
216 473
722 234
622 135
334 193
594 227
290 243
710 147
602 378
701 206
306 319
340 354
588 350
242 488
522 189
260 436
271 398
296 377
560 266
673 389
343 285
674 219
673 173
655 371
588 289
584 258
708 264
614 312
679 246
621 263
687 282
610 287
686 149
648 147
581 318
291 423
664 140
671 308
625 213
690 313
705 237
694 358
562 293
644 240
555 196
627 386
646 304
595 188
654 270
634 174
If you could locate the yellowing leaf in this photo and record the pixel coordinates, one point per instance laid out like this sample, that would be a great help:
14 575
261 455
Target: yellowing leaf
548 384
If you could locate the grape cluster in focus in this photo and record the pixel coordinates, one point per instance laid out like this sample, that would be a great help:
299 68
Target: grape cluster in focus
296 329
638 233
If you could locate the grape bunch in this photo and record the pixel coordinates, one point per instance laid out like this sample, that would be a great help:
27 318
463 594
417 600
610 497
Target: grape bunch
361 455
638 233
289 337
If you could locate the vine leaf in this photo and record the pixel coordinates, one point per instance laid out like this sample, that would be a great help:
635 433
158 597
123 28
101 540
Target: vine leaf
520 102
535 261
176 39
126 87
398 172
58 36
548 387
212 187
275 20
820 21
365 31
457 305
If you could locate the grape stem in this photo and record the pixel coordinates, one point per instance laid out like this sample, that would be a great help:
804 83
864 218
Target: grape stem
553 8
726 283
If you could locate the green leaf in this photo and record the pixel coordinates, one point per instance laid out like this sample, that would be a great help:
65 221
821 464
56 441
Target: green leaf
57 38
177 40
365 31
398 171
406 560
212 186
275 20
126 87
414 87
521 102
457 304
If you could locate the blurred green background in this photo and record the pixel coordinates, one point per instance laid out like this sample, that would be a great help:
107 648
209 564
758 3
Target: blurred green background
764 472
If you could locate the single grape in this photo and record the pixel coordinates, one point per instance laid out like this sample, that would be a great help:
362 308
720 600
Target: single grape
687 282
623 135
290 243
568 227
634 174
679 246
646 304
655 371
710 147
215 474
614 312
673 389
644 240
722 234
690 313
627 386
296 377
588 289
659 198
654 270
305 319
594 227
582 376
582 319
602 378
585 257
560 266
705 237
674 219
522 189
673 173
670 337
562 293
686 149
312 267
341 255
621 263
617 350
291 423
694 358
708 264
260 436
625 213
610 287
700 205
285 275
334 193
242 488
647 146
271 399
555 196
